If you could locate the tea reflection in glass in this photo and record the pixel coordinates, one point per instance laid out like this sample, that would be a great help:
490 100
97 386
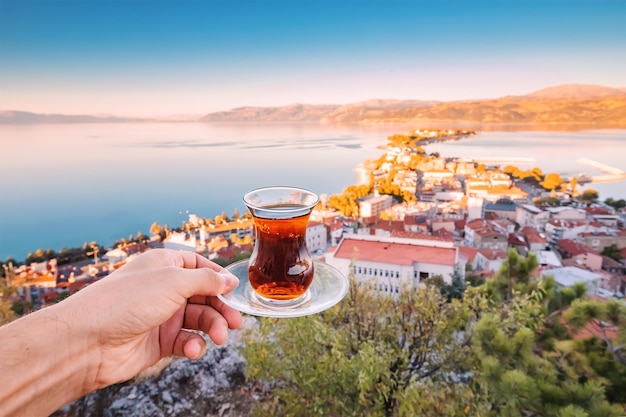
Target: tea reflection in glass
281 267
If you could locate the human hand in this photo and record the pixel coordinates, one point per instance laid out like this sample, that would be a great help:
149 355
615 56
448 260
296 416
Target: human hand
145 310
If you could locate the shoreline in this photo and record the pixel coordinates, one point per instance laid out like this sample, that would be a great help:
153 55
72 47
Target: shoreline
52 227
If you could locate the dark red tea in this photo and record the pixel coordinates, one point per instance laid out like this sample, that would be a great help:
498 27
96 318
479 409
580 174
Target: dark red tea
281 267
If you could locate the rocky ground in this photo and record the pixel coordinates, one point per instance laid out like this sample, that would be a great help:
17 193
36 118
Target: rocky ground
213 386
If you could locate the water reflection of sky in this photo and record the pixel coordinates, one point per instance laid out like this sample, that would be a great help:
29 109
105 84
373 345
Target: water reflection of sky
66 184
348 142
553 151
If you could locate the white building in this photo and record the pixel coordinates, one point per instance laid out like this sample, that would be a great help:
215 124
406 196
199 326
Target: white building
568 276
389 263
316 236
474 208
548 259
530 215
561 229
180 241
490 259
116 256
373 205
567 213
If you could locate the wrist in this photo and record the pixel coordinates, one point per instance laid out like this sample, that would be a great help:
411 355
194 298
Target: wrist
80 357
45 355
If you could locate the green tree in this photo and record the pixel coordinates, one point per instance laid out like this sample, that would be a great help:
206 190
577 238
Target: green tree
548 201
372 355
515 380
616 204
515 275
573 182
552 181
155 229
606 315
512 170
6 295
589 195
612 251
491 353
346 202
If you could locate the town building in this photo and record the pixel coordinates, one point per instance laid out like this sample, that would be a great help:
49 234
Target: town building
598 240
502 208
388 264
568 276
316 236
373 205
566 213
490 259
561 229
181 241
481 234
579 254
533 216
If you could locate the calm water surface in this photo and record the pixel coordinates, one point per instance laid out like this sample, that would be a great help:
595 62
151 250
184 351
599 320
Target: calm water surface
63 185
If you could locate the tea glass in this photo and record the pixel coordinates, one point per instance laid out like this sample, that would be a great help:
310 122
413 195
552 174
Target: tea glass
280 269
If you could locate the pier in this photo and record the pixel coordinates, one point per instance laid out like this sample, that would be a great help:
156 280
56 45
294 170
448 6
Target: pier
615 174
504 159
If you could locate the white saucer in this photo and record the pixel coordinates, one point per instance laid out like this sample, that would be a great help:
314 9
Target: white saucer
328 288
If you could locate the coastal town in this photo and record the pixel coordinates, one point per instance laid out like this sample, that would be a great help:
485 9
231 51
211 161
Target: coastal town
409 217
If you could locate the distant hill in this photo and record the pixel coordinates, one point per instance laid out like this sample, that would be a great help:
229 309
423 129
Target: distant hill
599 112
372 109
293 113
24 117
571 104
578 91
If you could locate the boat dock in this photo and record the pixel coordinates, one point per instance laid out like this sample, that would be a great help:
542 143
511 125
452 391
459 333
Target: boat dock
614 174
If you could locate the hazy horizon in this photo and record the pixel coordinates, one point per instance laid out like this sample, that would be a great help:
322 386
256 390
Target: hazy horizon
161 58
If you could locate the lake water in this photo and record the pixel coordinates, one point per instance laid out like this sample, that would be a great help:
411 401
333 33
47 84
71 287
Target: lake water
63 185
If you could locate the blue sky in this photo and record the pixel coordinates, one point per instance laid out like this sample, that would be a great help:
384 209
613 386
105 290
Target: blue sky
157 58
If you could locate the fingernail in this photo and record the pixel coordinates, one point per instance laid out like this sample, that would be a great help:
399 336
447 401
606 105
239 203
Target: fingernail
229 279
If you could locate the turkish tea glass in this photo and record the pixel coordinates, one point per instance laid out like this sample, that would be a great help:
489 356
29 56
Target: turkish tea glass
280 269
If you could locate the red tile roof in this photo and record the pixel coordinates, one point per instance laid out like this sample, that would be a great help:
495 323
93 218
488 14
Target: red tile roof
490 215
468 253
573 247
487 232
568 224
532 235
417 235
414 220
335 226
394 253
445 233
390 225
493 254
516 240
593 329
477 224
597 210
587 234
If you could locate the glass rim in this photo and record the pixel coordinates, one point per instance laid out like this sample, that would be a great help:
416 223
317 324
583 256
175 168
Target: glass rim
302 201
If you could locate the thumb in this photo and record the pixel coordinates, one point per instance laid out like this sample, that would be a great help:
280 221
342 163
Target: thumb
189 344
205 281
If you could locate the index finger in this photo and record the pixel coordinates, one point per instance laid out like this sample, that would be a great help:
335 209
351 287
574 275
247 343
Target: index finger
192 260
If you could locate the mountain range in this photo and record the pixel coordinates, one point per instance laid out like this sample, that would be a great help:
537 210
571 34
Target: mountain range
572 104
